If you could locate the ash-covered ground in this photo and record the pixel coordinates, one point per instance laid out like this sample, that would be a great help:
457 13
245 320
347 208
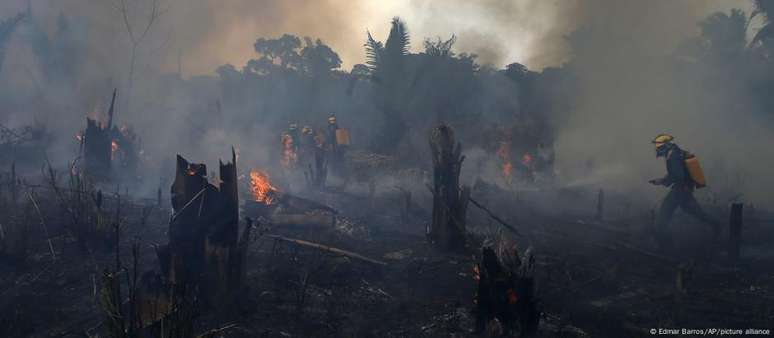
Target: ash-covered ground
594 277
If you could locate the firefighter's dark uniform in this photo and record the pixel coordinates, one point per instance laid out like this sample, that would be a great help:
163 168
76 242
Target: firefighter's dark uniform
680 195
295 136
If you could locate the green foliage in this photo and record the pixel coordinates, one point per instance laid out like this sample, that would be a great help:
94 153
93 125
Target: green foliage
286 53
725 33
764 8
282 51
318 58
398 41
374 50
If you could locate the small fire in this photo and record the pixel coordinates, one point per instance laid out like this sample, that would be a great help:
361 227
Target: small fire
289 156
476 273
507 167
261 187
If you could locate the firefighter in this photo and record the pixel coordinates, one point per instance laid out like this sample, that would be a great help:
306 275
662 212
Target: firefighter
307 145
336 151
307 136
332 127
294 135
681 185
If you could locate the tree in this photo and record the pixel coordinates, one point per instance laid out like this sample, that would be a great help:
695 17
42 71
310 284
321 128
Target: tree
766 9
359 70
725 34
387 65
440 48
282 51
318 58
384 59
397 44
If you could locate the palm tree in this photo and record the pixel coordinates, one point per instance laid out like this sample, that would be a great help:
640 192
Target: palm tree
766 9
387 66
383 59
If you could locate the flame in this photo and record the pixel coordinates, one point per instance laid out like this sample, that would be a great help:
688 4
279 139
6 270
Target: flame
289 156
261 187
79 136
507 167
476 273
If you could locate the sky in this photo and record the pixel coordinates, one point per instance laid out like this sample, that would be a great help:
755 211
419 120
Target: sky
204 34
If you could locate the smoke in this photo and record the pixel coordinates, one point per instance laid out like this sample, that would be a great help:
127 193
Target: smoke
630 88
622 53
200 35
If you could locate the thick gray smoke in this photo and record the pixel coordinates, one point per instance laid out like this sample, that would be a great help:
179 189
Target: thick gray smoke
623 54
631 89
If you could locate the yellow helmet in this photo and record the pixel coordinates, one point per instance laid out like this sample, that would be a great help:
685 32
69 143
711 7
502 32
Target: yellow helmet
662 139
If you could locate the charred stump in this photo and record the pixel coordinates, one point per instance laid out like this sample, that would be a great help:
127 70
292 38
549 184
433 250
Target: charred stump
205 249
450 202
97 148
97 144
505 299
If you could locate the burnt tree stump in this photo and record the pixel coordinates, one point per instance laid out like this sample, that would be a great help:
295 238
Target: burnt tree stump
205 249
97 145
450 202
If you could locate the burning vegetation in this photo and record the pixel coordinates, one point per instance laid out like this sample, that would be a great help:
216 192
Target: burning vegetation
261 187
382 210
504 153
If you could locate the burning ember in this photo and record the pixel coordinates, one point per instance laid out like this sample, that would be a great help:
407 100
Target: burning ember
261 187
507 167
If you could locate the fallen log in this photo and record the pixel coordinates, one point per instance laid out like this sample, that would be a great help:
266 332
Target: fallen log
291 202
327 248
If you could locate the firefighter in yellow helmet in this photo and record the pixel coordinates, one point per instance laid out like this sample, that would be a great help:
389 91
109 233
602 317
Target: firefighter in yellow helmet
681 185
